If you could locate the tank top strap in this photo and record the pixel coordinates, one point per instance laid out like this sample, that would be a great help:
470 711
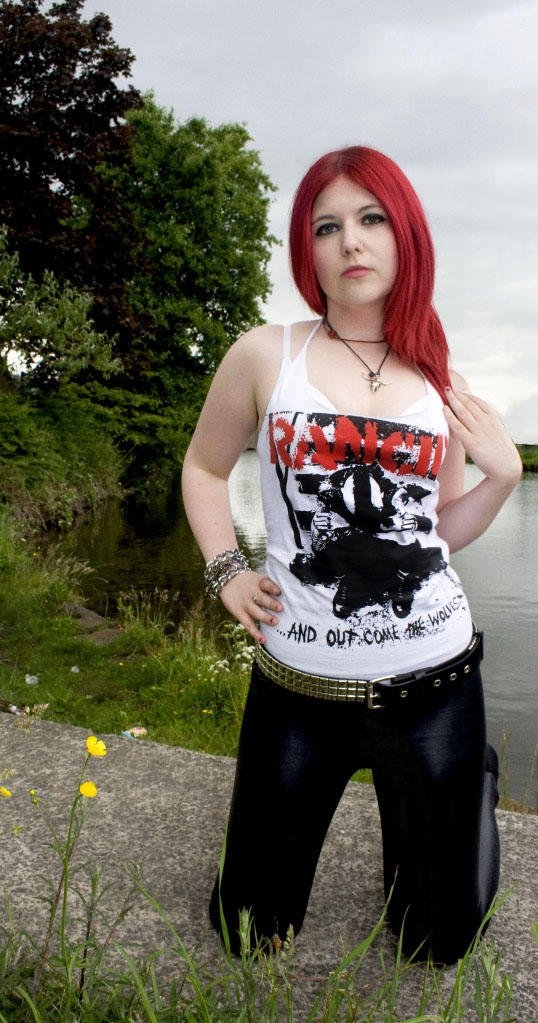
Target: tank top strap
292 371
286 344
286 341
314 330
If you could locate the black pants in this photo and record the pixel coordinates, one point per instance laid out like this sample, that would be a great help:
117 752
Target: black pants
435 781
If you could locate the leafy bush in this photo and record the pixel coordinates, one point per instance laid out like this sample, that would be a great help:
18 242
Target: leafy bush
54 461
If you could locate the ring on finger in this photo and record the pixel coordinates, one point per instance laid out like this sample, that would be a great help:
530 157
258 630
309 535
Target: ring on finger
256 597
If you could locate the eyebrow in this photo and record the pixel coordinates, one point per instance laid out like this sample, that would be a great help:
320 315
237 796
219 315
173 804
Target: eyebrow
362 209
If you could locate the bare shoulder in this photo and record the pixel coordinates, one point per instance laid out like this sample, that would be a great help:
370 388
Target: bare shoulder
258 343
266 341
245 359
257 357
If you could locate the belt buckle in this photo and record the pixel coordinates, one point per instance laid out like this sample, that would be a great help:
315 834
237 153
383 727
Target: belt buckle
372 695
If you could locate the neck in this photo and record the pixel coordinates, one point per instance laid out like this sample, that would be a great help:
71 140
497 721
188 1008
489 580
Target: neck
333 333
361 325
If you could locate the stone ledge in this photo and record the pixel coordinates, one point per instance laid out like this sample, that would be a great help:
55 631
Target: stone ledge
99 630
165 808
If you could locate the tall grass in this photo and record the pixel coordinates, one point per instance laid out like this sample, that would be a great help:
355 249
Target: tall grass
86 984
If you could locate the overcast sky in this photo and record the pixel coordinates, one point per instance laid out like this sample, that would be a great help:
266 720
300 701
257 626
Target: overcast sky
448 90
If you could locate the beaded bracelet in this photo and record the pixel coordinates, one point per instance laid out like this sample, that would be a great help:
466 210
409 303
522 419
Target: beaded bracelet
222 568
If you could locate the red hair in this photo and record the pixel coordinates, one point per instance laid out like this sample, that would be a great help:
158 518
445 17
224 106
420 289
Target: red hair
411 324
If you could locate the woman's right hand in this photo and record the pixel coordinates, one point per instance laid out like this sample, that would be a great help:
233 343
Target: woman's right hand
252 598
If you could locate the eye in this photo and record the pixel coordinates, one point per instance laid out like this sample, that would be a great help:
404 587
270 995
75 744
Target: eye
374 218
329 227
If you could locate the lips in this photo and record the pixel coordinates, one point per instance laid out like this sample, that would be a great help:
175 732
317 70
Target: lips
356 271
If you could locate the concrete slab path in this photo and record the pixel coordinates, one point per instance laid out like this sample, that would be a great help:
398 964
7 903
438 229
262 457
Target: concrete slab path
165 808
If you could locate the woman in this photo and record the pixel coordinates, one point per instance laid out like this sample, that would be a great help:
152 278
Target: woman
366 651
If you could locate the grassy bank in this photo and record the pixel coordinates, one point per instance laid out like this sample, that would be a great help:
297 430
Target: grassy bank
184 688
529 456
183 684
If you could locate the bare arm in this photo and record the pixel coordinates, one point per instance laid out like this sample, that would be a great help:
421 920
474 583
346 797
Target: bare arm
477 429
227 421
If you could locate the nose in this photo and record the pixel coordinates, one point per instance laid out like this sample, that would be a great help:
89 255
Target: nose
351 237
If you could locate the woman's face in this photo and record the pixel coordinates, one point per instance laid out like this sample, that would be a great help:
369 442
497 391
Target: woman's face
354 249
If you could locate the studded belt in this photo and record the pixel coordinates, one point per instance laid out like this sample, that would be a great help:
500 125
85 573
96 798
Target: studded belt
376 693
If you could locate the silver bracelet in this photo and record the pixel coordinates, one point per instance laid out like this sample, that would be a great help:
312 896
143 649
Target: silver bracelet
222 568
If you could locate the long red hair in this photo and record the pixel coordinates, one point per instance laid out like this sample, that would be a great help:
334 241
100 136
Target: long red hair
411 324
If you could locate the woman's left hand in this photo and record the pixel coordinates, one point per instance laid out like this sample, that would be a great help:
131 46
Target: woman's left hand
484 436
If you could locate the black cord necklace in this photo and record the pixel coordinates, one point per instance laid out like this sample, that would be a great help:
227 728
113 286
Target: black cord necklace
373 378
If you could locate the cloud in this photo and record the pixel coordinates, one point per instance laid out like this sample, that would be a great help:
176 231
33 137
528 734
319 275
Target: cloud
521 419
448 90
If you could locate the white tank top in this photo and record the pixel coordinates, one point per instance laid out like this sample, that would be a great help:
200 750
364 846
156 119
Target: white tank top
350 510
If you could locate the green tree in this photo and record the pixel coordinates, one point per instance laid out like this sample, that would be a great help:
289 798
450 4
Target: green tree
46 330
200 199
55 458
165 226
62 116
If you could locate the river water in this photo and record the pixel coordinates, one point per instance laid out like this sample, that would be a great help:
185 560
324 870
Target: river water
130 547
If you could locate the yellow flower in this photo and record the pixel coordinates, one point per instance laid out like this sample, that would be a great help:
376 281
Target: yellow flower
88 789
6 793
95 746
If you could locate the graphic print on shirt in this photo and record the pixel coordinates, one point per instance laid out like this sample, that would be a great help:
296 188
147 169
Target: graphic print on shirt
360 524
